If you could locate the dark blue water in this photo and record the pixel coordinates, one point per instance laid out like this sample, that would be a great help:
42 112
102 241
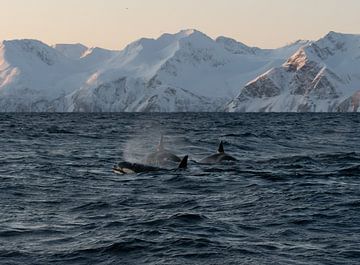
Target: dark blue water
293 197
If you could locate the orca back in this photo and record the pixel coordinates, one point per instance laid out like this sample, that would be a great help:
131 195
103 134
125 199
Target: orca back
219 157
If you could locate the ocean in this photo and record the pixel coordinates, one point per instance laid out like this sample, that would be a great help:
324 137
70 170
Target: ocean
293 197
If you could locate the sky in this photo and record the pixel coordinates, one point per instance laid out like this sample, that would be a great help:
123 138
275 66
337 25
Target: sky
115 23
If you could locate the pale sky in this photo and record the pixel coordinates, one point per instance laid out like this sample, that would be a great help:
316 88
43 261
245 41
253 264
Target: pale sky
115 23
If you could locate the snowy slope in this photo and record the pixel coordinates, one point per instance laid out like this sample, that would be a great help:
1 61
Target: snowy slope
31 72
323 76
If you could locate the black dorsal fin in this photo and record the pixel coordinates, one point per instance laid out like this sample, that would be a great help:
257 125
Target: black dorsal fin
221 148
184 163
161 146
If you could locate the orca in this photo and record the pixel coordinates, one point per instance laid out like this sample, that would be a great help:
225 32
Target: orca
162 157
218 158
124 168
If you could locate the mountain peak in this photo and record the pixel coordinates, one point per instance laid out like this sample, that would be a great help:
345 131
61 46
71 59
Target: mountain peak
297 43
24 43
235 47
170 41
72 51
78 45
337 36
17 49
188 32
333 34
335 45
92 58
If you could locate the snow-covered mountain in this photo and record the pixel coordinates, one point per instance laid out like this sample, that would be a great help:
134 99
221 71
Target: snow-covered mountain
323 76
33 75
186 71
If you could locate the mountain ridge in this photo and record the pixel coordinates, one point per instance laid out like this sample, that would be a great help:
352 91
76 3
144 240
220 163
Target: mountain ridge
185 71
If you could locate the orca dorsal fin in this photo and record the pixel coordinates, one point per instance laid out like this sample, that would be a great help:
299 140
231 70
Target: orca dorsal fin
184 163
161 146
221 148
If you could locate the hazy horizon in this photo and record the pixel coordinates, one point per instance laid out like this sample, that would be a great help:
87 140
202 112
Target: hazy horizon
113 24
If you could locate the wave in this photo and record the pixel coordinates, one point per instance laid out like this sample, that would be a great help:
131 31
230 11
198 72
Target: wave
57 130
27 232
119 248
188 217
313 159
92 206
350 171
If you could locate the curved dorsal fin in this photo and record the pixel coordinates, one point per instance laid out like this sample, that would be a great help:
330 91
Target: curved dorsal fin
184 163
221 148
161 144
